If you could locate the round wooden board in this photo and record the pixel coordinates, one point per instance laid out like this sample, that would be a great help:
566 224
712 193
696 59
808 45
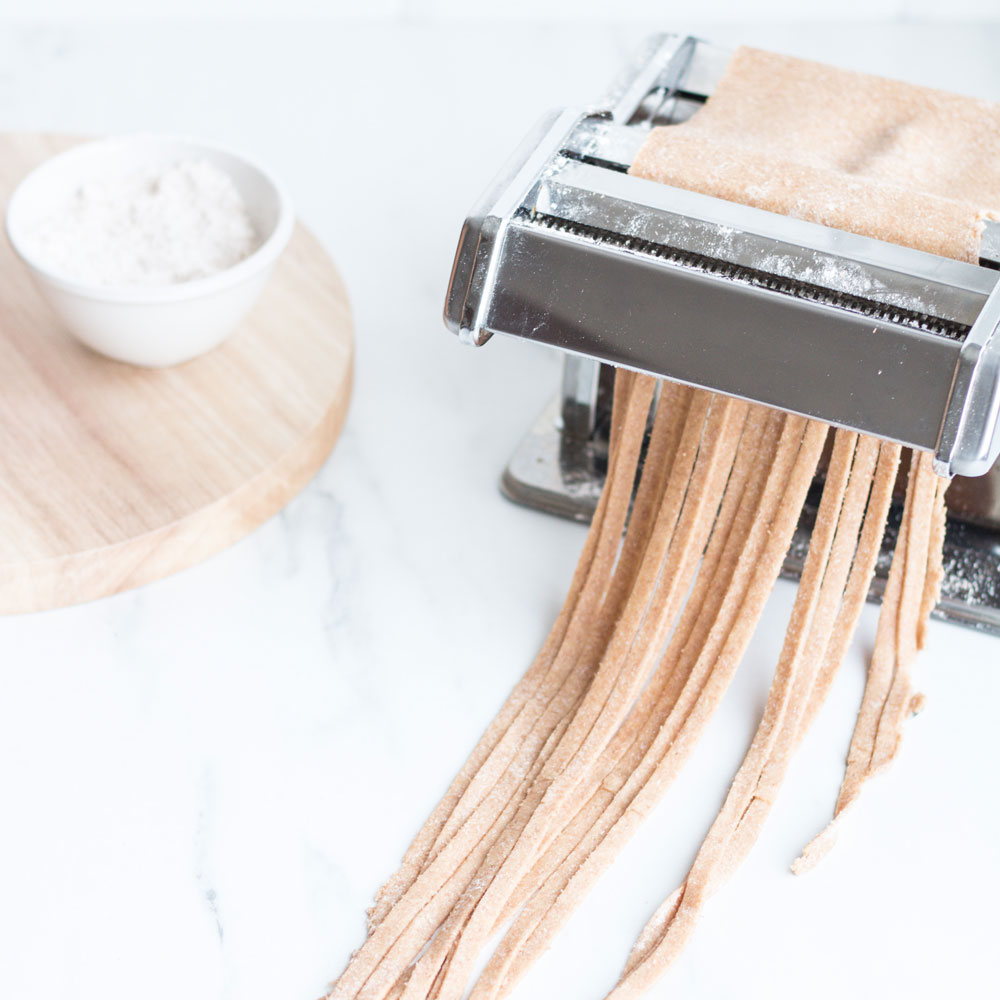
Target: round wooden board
114 476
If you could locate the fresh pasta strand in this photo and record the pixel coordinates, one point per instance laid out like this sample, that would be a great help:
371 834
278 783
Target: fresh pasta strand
814 618
628 757
610 513
681 528
590 582
914 575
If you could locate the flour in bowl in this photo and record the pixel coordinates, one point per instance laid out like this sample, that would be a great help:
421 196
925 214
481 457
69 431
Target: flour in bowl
159 225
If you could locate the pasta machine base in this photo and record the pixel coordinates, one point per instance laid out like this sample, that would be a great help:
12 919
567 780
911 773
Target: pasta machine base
560 464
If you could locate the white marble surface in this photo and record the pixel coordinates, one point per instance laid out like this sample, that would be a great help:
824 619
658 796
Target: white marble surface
204 781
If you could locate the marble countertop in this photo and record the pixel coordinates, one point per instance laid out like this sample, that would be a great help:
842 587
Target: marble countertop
204 781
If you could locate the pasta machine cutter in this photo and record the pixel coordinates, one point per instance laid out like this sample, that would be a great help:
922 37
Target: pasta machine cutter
567 249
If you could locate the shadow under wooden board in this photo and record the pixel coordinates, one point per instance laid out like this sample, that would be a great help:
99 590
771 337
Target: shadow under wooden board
112 476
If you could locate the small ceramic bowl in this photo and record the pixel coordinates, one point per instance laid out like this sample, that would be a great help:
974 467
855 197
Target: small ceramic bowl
161 325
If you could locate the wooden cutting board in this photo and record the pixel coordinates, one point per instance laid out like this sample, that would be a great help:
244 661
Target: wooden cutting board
113 476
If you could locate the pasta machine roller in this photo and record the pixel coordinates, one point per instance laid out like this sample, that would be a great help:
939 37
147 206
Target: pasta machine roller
567 249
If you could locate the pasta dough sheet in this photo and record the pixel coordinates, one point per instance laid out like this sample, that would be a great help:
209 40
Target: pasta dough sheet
898 162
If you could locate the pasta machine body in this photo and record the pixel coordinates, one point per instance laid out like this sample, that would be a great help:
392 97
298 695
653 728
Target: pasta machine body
567 249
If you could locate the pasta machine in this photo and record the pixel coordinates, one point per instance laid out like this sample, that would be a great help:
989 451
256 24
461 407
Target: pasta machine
888 341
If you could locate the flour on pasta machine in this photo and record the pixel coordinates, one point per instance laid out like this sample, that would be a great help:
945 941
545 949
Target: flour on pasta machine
567 249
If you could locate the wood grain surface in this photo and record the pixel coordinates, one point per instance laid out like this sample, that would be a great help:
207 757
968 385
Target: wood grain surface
113 476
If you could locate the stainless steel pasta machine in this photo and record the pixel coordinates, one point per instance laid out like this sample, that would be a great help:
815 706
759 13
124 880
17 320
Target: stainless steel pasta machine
888 341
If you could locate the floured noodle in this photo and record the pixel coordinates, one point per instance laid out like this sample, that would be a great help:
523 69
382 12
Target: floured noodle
684 518
814 618
434 889
913 578
623 459
656 624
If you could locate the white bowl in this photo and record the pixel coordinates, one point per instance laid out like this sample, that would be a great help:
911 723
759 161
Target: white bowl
161 325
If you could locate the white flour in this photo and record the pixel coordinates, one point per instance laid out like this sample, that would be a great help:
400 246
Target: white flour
154 226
